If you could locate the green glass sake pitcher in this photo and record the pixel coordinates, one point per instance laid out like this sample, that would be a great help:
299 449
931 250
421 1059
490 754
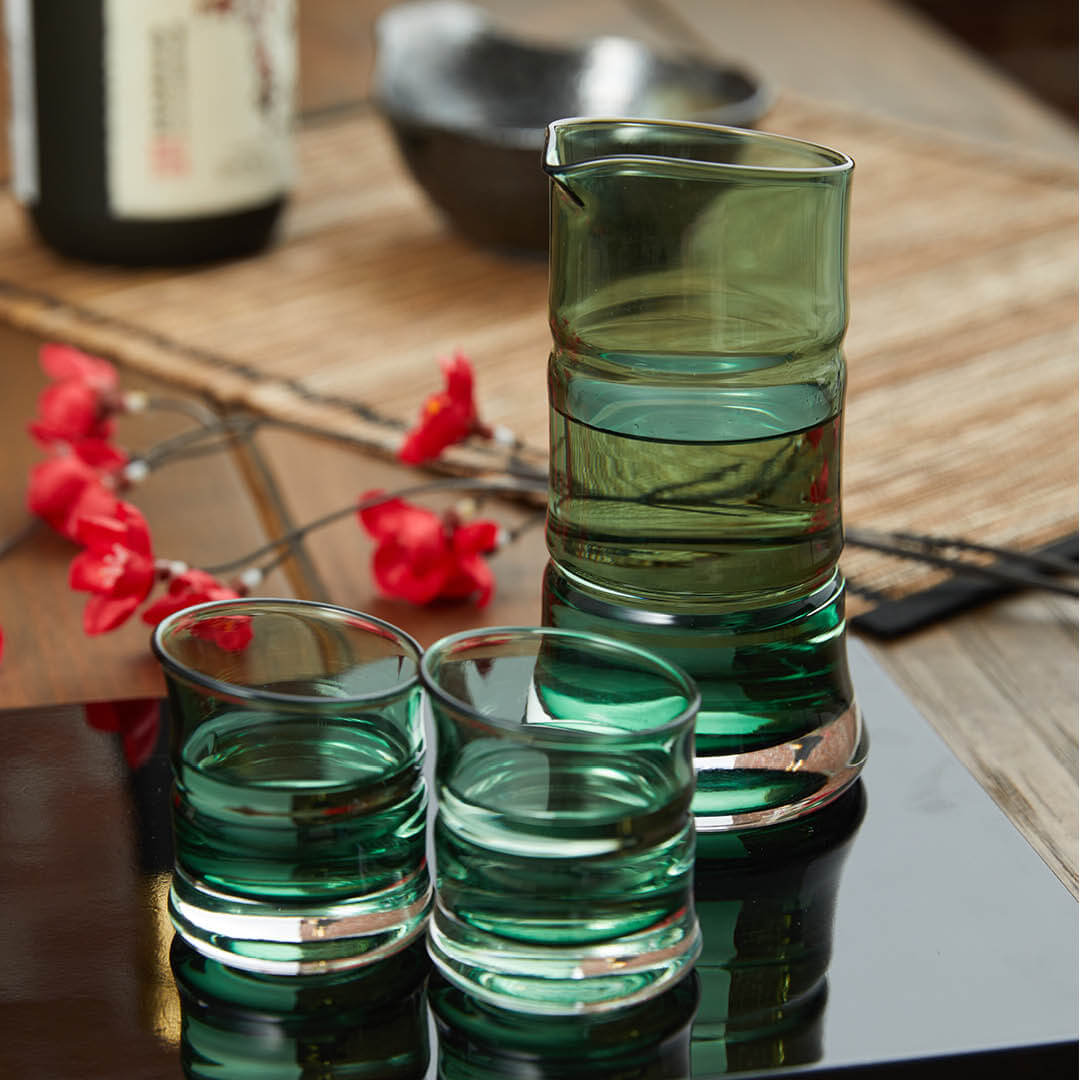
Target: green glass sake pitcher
696 383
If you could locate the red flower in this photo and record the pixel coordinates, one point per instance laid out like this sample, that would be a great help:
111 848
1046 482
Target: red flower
73 485
117 567
561 331
70 410
819 487
78 403
231 632
446 418
421 556
65 362
137 722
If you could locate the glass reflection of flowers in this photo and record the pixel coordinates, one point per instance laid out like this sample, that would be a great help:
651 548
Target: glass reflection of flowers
136 722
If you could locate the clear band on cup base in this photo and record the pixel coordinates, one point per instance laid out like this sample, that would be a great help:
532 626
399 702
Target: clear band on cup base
782 782
263 937
563 981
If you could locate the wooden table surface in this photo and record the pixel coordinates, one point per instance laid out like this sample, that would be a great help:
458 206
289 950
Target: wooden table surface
999 684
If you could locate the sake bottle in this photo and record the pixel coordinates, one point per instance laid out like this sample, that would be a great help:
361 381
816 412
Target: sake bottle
152 132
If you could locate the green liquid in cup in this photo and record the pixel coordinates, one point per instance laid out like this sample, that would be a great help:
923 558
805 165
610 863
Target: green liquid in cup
299 808
775 689
774 677
564 842
299 802
558 849
692 490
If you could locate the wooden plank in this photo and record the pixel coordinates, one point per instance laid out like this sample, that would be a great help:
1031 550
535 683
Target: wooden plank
199 511
1000 686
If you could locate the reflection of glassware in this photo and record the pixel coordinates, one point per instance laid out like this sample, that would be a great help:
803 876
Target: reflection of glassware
647 1041
766 898
299 812
159 1010
564 842
148 785
696 385
364 1023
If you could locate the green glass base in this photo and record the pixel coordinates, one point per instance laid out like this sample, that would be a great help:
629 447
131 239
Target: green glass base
783 782
563 980
778 733
273 938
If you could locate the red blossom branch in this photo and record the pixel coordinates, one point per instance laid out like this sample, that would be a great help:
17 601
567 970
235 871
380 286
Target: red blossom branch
419 556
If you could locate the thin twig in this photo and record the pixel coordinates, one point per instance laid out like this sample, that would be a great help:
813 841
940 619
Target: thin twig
531 522
24 532
1035 560
221 441
495 483
1001 572
198 412
273 563
172 446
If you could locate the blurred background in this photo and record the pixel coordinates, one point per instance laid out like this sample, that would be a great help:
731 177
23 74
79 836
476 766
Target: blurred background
1031 42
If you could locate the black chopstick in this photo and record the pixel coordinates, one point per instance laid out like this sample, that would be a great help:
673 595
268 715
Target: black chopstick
1029 570
1034 560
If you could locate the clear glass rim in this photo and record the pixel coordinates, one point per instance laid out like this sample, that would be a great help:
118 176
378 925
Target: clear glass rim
235 691
835 162
591 642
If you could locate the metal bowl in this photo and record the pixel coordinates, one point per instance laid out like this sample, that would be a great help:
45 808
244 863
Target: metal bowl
469 104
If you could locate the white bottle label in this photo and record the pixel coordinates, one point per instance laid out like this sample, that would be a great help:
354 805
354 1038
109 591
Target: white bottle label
22 121
198 105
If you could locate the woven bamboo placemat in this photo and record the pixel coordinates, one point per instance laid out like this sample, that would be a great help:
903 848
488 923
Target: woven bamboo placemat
962 355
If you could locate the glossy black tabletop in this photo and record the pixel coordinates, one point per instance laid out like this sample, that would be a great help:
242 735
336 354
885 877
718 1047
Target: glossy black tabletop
906 926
